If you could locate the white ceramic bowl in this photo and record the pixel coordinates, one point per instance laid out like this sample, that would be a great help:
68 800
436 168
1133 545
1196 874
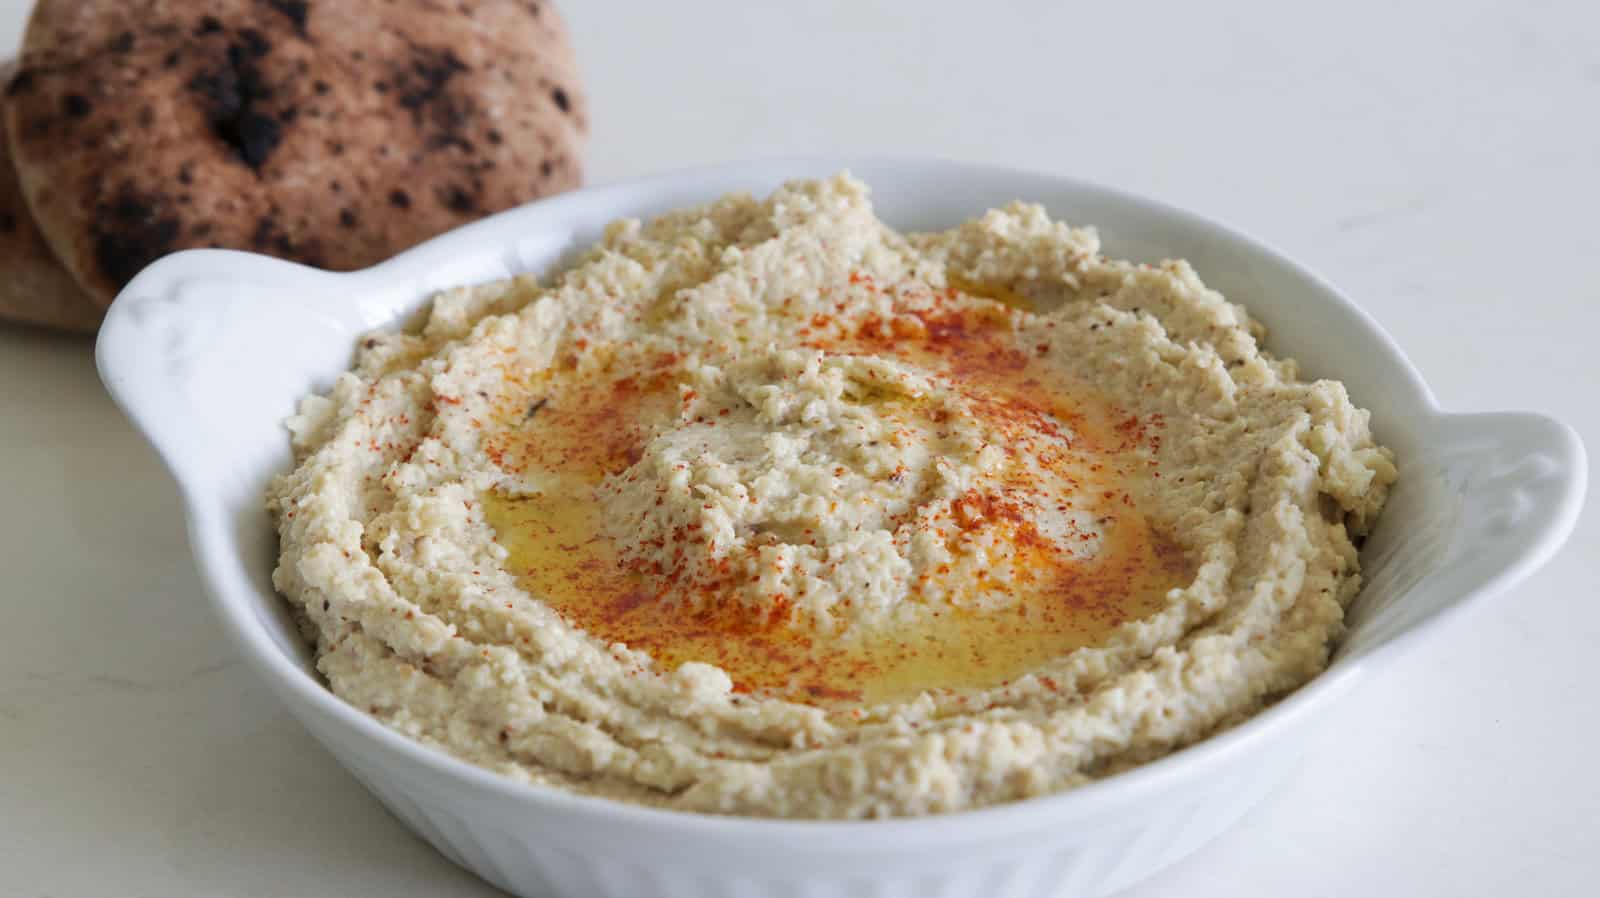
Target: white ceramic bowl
207 351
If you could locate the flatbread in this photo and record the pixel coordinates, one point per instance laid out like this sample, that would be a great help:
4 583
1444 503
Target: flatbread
34 288
333 134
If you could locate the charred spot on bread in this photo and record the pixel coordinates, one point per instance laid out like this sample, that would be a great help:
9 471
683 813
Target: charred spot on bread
422 85
254 42
295 11
131 230
76 106
270 236
235 93
457 199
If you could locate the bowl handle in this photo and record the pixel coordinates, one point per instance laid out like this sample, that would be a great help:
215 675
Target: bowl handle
202 342
192 345
1486 505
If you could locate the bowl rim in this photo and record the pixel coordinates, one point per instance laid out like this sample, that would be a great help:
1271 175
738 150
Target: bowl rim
306 694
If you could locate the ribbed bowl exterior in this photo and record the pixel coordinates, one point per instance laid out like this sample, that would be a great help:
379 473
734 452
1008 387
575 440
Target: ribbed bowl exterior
539 858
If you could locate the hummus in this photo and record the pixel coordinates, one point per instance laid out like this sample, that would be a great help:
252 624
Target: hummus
764 508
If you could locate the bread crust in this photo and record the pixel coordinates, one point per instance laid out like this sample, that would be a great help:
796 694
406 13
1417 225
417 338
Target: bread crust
34 288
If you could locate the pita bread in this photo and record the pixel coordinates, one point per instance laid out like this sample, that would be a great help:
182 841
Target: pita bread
333 134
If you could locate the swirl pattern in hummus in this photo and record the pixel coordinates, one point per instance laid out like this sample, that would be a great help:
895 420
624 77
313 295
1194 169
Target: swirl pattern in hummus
835 490
765 508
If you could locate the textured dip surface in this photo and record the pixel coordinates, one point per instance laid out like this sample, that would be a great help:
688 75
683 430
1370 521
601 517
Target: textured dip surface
764 508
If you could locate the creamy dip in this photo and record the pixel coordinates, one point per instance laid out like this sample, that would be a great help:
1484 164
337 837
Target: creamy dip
765 508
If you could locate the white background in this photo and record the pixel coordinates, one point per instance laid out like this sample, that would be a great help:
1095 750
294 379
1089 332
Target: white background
1439 161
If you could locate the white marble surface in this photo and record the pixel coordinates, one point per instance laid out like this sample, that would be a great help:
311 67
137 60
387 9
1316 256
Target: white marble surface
1440 161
